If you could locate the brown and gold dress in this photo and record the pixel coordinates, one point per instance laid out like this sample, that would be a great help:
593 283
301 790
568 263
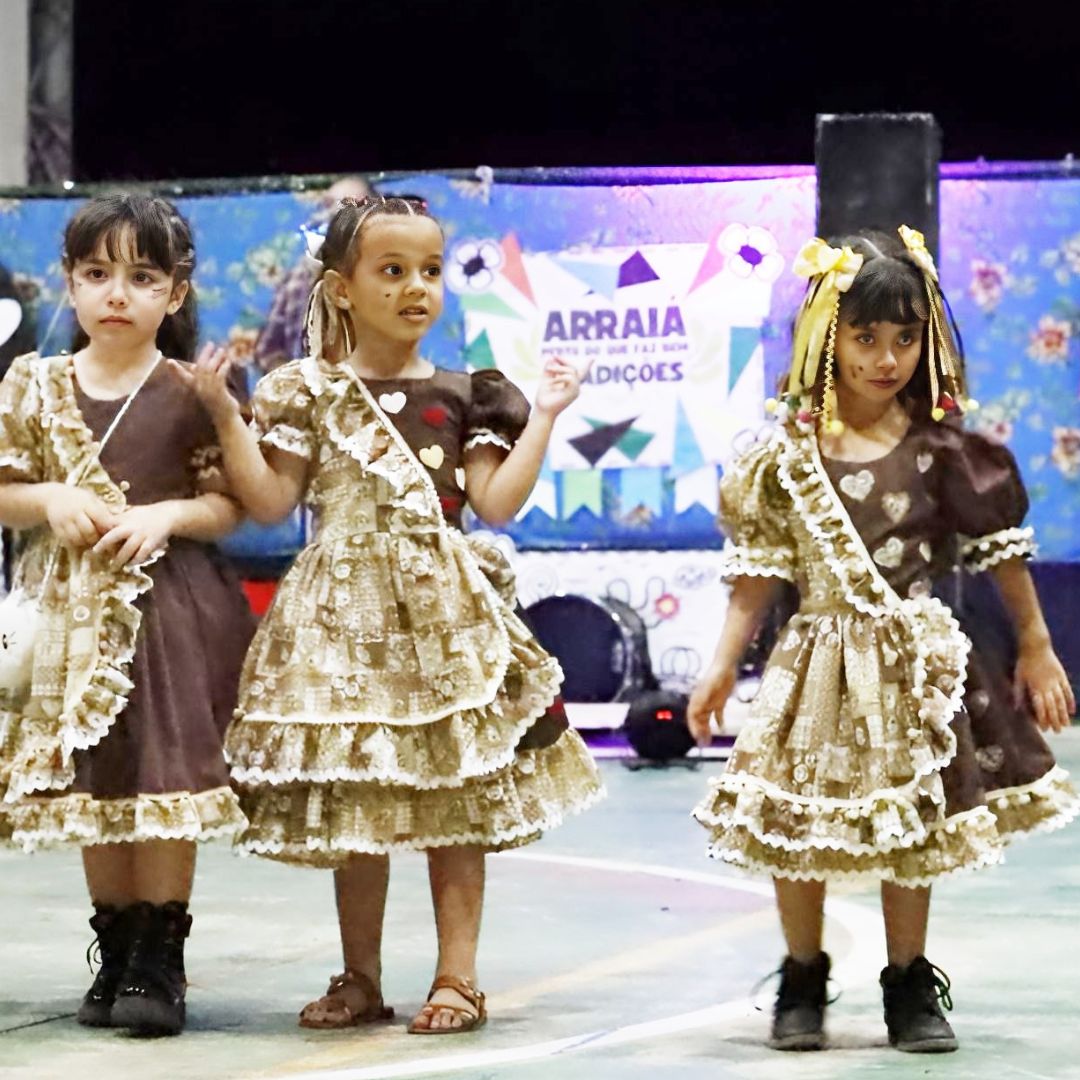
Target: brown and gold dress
881 743
391 697
135 675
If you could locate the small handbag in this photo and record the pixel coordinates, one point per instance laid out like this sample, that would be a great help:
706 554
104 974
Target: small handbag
20 618
21 613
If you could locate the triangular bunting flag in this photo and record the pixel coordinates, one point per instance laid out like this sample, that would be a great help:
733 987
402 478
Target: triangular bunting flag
582 488
487 304
641 487
636 271
601 278
712 263
478 352
698 488
633 443
744 340
595 444
687 455
513 268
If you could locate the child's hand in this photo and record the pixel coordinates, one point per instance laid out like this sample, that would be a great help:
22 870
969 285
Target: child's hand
708 699
140 531
78 517
1039 673
208 378
560 384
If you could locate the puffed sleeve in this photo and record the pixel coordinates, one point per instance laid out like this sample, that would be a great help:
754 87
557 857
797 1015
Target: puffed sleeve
755 515
985 499
21 433
497 413
282 411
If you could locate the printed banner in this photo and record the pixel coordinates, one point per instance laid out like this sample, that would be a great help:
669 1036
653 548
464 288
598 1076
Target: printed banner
667 336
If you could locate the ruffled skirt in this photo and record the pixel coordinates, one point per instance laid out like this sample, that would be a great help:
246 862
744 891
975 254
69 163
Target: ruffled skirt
146 737
384 704
876 753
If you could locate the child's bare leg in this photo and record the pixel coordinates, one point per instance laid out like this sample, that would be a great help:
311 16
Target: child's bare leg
164 870
457 890
110 874
360 890
802 916
906 912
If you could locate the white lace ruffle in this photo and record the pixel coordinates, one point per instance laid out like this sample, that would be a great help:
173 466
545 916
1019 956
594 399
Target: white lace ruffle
985 552
738 561
484 435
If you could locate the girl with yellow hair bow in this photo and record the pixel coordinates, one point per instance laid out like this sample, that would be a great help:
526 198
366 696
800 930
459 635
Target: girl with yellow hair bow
887 742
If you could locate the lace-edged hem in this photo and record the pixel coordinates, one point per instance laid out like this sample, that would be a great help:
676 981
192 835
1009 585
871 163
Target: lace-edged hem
270 749
41 822
321 825
966 841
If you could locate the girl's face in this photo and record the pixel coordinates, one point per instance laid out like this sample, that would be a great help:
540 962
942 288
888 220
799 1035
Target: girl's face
875 362
395 290
122 302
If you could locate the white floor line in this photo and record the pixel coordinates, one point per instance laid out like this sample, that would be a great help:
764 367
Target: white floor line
863 926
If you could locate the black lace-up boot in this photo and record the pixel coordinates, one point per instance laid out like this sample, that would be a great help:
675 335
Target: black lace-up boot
150 998
799 1013
113 942
913 998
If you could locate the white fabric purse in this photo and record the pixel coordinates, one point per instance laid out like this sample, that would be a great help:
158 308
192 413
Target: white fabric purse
21 613
20 619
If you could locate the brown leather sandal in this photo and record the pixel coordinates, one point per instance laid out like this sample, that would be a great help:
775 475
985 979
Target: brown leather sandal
471 1020
336 1011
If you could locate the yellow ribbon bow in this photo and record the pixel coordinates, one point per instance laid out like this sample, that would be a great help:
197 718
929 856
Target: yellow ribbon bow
915 242
832 272
838 265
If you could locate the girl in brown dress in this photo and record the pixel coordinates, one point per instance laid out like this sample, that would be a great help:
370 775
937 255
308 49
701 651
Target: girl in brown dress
392 700
111 466
886 743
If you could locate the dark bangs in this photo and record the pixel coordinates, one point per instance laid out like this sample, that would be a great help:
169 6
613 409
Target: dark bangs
886 289
118 221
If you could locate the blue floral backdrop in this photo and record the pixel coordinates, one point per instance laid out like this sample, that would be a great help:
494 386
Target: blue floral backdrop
1010 265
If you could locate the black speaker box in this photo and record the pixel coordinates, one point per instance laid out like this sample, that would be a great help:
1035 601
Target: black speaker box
878 171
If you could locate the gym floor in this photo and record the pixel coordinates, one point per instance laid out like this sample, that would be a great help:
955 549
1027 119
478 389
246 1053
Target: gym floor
611 949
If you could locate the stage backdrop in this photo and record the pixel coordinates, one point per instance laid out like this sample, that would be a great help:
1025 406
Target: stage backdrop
681 297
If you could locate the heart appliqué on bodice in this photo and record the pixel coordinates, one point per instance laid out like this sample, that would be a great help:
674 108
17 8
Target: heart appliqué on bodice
890 554
432 456
858 485
392 403
896 504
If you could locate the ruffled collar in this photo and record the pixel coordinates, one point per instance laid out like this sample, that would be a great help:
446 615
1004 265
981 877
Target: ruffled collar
358 427
938 647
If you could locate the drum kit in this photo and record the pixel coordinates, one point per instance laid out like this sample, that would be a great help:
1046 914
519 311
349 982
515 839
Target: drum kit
602 645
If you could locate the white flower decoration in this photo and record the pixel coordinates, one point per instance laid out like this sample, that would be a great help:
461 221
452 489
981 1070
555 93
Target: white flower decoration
472 266
751 252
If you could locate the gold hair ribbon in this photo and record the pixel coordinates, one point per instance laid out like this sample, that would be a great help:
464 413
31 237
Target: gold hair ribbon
838 265
948 392
832 272
915 242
